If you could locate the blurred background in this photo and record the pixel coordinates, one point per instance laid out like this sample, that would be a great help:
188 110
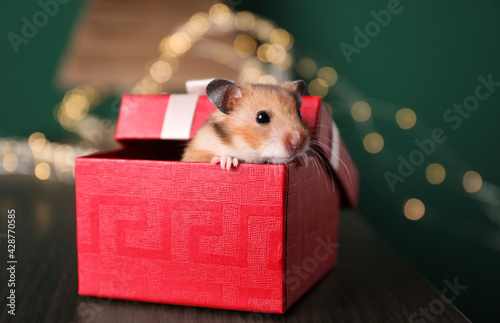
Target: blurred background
414 87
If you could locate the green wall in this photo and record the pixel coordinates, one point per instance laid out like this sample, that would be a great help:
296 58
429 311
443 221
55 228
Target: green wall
28 90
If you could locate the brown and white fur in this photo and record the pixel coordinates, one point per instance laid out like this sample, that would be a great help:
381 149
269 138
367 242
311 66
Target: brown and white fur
238 132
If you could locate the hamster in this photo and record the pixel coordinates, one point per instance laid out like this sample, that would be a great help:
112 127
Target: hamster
253 123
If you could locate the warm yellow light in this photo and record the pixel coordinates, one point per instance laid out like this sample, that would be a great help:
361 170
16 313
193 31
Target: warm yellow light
318 87
10 162
406 118
138 89
45 152
74 92
66 122
251 74
219 13
280 37
414 209
361 111
42 171
267 79
244 20
279 54
180 42
147 86
90 130
306 68
93 96
244 45
198 24
287 62
172 61
329 75
373 142
472 182
160 71
39 144
435 174
6 148
34 137
263 29
266 52
76 106
165 47
63 158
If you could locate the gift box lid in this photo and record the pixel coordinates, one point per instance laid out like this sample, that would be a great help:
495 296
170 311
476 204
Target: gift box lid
179 116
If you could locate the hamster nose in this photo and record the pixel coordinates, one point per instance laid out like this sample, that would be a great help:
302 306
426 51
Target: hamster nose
293 142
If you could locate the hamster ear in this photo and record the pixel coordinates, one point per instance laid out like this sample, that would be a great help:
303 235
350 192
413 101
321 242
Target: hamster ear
297 88
224 94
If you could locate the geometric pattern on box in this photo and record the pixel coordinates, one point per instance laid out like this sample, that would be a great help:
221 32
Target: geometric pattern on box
254 239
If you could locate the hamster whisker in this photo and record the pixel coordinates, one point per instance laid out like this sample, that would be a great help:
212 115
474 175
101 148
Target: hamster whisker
330 141
323 145
316 162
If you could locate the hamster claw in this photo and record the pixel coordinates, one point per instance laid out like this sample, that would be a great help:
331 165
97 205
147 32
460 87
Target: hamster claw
226 162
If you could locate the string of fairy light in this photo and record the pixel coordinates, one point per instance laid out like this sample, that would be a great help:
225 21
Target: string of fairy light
435 173
260 51
321 83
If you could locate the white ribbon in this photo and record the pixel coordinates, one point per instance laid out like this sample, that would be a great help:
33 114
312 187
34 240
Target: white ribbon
179 116
335 157
197 86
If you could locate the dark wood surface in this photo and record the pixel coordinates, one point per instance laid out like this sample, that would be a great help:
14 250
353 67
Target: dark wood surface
370 284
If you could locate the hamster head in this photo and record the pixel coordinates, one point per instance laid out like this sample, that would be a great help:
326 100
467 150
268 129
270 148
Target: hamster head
262 122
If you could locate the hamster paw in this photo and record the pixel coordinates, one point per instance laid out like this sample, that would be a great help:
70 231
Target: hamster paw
226 162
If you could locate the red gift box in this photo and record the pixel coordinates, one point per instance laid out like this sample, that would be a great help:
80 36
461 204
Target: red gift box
151 228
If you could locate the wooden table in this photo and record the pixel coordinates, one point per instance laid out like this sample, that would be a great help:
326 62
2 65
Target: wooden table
371 283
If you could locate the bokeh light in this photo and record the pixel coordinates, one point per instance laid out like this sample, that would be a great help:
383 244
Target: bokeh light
180 42
329 75
414 209
373 142
198 24
306 67
267 79
36 140
160 71
266 52
10 163
42 171
406 118
435 173
219 13
318 87
244 21
361 111
472 182
280 37
244 45
263 29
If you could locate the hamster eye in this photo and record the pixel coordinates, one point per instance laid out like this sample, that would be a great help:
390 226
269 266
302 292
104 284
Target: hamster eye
263 117
300 114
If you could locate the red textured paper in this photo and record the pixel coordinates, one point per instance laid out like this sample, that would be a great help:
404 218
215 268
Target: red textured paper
254 239
181 233
313 202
